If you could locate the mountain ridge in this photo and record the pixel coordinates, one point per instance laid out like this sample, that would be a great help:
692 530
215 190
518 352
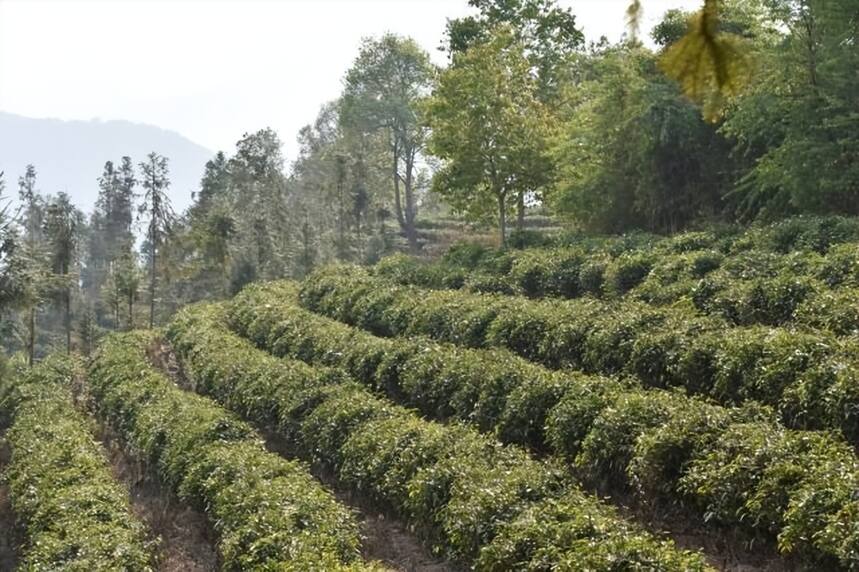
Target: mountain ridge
69 155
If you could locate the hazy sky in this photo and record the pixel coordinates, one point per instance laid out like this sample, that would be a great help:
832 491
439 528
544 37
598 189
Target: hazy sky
215 69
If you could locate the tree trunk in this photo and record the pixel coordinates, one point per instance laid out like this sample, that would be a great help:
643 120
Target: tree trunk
130 312
398 204
410 214
152 279
502 220
341 216
31 343
520 211
68 302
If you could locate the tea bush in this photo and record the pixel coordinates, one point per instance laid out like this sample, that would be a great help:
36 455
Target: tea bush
75 516
612 432
454 485
663 347
268 512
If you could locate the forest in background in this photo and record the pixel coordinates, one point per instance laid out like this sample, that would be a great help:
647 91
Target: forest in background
527 112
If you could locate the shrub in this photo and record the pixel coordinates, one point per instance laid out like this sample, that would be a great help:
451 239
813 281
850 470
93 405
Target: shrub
74 514
541 273
592 276
485 283
649 441
267 512
572 533
836 312
450 482
840 267
608 447
626 272
404 269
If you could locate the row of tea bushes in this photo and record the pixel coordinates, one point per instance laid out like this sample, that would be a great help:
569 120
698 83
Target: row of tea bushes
796 485
809 377
487 505
745 287
74 515
752 288
268 513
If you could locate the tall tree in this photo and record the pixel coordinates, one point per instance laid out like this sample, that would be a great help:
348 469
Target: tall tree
62 227
549 39
547 33
796 128
34 266
489 128
158 213
383 90
259 195
11 279
632 151
110 235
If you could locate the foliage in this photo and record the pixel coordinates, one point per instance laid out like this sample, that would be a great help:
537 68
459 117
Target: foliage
631 151
74 514
649 441
662 347
383 90
268 512
455 485
487 162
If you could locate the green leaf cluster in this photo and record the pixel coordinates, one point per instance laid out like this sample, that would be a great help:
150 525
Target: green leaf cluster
74 515
459 488
269 513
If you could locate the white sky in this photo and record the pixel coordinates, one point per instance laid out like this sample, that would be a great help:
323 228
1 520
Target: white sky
212 70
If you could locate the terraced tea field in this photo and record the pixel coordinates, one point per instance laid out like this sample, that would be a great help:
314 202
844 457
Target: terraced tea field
615 404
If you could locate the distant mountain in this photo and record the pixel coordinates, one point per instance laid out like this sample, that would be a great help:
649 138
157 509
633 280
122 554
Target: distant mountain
70 155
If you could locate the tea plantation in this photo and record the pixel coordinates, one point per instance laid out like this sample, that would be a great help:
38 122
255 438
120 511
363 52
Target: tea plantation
596 403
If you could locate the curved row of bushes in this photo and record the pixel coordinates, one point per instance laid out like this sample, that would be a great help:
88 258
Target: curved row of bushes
484 504
751 287
268 513
74 515
810 378
664 445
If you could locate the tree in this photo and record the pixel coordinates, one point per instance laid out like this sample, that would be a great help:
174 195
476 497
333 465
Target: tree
110 234
11 279
33 262
62 226
632 151
340 181
547 33
126 280
383 89
158 213
258 193
215 185
489 128
549 38
796 129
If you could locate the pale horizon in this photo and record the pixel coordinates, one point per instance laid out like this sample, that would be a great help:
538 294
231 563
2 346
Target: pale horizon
212 71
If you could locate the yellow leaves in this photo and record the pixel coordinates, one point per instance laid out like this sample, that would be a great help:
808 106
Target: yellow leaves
709 65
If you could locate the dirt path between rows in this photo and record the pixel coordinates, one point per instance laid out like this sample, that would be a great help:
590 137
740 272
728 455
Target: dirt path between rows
386 539
185 539
186 542
725 549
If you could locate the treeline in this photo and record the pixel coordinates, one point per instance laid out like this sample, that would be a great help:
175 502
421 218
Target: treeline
762 125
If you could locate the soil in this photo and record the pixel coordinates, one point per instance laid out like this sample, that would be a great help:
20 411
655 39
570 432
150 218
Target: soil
185 538
386 538
724 549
